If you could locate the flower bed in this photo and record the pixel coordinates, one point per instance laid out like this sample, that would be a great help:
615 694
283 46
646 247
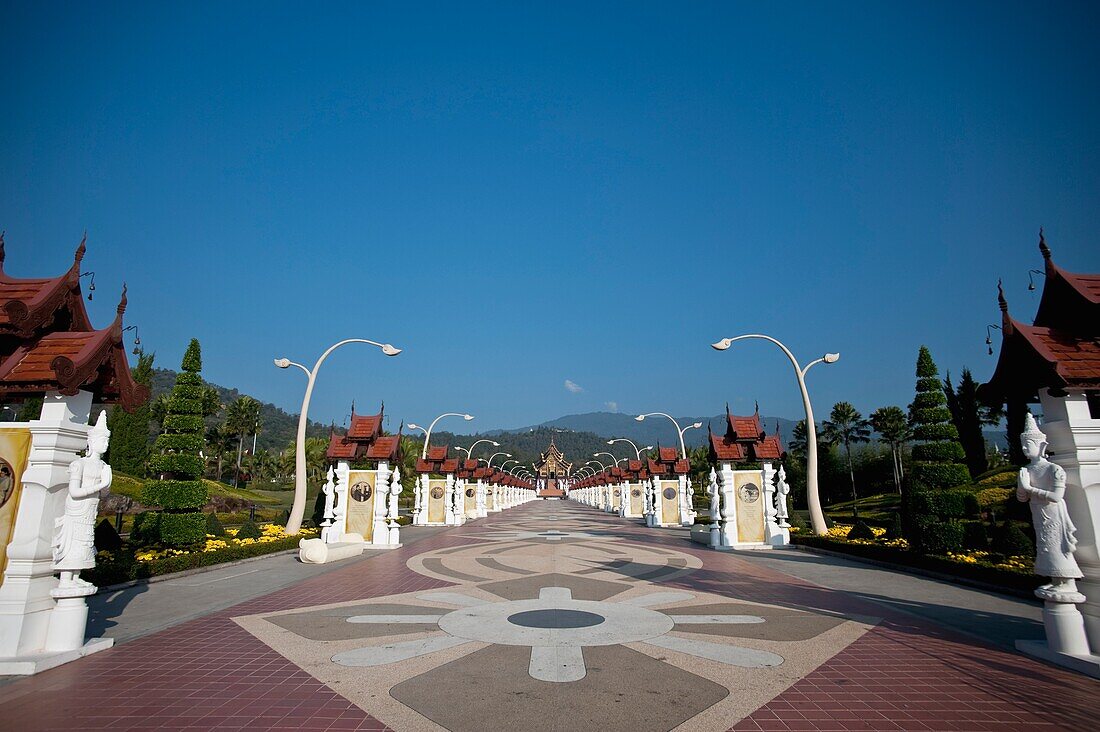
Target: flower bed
130 564
1010 572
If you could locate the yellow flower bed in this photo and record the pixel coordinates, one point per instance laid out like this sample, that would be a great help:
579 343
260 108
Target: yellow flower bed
271 533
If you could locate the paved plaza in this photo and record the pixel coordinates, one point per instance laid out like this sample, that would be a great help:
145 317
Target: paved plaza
555 616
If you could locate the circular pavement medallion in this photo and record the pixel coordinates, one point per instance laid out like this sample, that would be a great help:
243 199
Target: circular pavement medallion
555 619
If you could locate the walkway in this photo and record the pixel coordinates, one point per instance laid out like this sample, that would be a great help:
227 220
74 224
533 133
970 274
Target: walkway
553 616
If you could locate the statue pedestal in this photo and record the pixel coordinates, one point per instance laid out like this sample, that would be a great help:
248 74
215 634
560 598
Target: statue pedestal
1066 644
64 636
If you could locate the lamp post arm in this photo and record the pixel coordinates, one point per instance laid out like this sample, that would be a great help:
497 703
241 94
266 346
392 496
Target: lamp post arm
428 432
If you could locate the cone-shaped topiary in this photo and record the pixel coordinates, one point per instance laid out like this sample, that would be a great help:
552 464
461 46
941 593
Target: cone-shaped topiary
893 528
213 525
106 538
249 530
938 452
861 531
177 467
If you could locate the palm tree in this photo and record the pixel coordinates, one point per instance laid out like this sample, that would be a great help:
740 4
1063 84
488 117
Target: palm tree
845 426
893 427
219 442
799 438
242 418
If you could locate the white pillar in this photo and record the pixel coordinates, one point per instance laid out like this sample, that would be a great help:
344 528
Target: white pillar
729 504
380 531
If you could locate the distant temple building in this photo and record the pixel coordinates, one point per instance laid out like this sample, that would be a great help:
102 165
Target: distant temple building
551 468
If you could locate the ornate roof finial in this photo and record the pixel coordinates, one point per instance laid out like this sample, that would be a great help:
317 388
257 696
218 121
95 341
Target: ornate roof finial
352 407
1001 297
1043 245
122 301
79 256
382 409
2 254
727 409
757 410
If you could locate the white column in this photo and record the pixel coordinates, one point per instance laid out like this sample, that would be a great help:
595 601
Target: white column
340 508
687 516
729 504
380 531
1075 445
393 494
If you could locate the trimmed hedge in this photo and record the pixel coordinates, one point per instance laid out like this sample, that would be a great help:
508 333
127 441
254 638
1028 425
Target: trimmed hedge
933 536
182 529
1009 540
213 525
183 422
125 568
861 530
181 442
146 529
938 452
174 494
1022 582
176 462
936 432
188 379
249 530
975 536
945 504
941 475
106 538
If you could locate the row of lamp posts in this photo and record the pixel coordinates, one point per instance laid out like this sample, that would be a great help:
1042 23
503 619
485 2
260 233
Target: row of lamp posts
813 498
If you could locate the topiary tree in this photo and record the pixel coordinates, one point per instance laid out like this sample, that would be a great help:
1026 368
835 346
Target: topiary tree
177 466
937 453
129 449
249 530
213 525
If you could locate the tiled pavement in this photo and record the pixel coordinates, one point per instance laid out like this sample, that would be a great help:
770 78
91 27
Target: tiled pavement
211 673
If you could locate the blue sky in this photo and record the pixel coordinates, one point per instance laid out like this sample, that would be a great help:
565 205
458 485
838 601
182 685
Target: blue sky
523 194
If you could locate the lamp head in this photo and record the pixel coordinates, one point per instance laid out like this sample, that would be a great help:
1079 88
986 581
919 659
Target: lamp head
697 425
389 350
283 363
832 357
639 418
722 344
648 447
415 426
507 454
610 442
494 444
467 417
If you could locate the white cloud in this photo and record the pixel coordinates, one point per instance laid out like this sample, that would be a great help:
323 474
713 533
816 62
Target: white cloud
573 387
612 406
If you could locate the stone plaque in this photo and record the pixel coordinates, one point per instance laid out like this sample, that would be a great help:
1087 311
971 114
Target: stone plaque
437 491
360 508
750 507
15 446
670 503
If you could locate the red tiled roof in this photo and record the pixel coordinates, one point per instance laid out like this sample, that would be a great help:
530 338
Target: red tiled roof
725 450
387 447
668 454
744 428
31 305
365 426
769 448
436 454
340 448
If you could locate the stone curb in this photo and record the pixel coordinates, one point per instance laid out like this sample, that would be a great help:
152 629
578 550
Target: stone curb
906 569
189 572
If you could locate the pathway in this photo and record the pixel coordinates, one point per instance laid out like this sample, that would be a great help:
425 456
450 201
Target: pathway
553 616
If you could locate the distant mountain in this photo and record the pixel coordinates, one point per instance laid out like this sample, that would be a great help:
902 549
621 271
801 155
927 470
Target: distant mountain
652 430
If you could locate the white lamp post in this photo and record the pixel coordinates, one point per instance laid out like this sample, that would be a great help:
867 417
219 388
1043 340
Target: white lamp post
637 452
470 450
679 432
813 499
297 510
428 432
614 460
489 462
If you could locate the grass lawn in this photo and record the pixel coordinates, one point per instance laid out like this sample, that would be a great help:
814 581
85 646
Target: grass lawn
129 486
871 507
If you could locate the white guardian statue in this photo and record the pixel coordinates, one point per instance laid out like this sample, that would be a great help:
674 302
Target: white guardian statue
74 531
1043 484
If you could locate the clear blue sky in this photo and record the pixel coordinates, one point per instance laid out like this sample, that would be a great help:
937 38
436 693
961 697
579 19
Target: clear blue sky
523 195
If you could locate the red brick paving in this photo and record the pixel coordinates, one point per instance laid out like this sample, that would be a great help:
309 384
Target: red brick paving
210 674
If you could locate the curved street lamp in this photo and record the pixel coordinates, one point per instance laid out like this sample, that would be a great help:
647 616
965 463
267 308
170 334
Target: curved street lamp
470 450
298 508
428 432
489 462
637 452
614 460
679 432
813 499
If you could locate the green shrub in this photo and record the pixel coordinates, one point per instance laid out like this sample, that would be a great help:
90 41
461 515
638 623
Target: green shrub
936 452
180 442
861 531
934 536
893 528
175 462
945 504
146 528
182 529
794 518
106 538
184 378
1009 540
249 530
183 422
213 525
174 494
994 497
975 536
941 475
